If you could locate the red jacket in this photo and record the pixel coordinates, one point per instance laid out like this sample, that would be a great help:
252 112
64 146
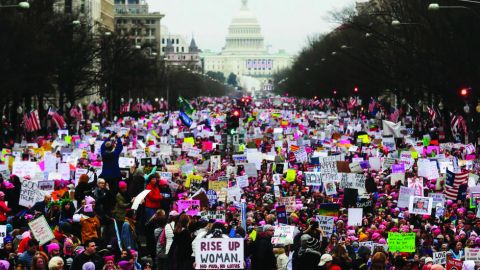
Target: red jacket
154 197
3 211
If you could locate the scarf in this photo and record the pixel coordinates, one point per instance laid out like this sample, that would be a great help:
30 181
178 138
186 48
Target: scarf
131 222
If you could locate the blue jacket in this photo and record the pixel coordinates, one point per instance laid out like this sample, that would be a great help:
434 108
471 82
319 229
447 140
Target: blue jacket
111 169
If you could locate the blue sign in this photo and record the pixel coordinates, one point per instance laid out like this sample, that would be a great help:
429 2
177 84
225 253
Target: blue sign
212 197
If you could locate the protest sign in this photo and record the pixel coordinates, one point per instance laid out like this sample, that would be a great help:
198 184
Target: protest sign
194 152
330 188
404 196
328 165
212 197
190 207
219 253
453 264
125 163
166 175
4 171
41 230
401 242
440 257
30 193
420 205
329 209
312 178
327 224
48 185
282 234
353 180
215 215
217 185
215 163
472 254
140 197
416 184
276 179
281 214
291 175
25 168
250 169
242 181
355 216
289 203
239 159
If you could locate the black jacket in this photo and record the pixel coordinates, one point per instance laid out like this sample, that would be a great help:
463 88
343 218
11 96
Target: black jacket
261 250
83 258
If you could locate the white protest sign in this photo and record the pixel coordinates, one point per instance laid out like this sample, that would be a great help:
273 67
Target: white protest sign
375 163
194 152
355 216
250 169
328 165
420 205
353 180
312 178
25 168
282 233
242 181
64 171
140 197
219 253
215 163
30 193
41 230
440 257
124 162
404 196
472 254
289 203
276 179
327 224
215 215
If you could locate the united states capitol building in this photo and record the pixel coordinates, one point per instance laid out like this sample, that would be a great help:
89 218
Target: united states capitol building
245 54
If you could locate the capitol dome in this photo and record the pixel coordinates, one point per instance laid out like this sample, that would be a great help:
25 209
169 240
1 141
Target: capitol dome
244 33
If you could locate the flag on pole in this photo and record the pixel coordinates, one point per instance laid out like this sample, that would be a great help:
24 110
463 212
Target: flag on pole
185 106
31 121
57 119
453 183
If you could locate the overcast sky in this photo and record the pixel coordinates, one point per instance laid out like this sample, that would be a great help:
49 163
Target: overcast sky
286 24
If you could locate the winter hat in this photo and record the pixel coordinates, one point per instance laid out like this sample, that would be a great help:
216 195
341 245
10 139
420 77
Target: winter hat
122 184
313 243
89 200
88 208
88 266
173 213
124 265
52 247
4 265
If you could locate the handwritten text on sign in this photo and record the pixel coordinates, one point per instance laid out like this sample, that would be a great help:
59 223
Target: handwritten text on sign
313 179
218 253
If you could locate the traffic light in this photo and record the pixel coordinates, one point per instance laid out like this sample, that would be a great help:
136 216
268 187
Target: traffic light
233 119
464 92
355 89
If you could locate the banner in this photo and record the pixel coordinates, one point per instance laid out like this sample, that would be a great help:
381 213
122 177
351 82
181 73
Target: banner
219 253
41 230
401 242
312 178
453 264
30 193
125 163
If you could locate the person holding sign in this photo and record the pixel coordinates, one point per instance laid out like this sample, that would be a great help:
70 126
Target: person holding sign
110 151
4 210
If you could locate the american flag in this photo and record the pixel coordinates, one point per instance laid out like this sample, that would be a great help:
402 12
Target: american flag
352 103
125 108
57 119
453 183
31 121
432 113
458 124
294 148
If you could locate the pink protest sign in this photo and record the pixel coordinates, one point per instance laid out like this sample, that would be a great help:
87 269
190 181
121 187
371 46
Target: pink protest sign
398 168
191 207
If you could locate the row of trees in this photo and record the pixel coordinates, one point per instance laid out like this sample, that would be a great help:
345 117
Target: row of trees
51 57
396 45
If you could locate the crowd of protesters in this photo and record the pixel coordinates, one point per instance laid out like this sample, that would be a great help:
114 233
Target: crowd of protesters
97 223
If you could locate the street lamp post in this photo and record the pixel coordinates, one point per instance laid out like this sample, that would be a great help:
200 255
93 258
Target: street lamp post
22 5
437 7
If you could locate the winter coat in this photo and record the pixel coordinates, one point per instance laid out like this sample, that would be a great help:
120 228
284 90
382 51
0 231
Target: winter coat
90 227
154 197
282 259
262 253
3 211
121 207
111 169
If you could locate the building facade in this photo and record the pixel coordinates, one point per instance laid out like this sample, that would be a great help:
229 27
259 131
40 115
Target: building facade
133 19
245 53
189 58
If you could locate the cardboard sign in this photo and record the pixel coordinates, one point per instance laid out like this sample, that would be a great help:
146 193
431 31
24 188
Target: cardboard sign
289 203
312 178
215 215
327 224
190 207
281 214
219 253
355 216
125 163
420 205
25 168
472 254
328 165
440 257
30 193
401 242
41 230
282 233
404 196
